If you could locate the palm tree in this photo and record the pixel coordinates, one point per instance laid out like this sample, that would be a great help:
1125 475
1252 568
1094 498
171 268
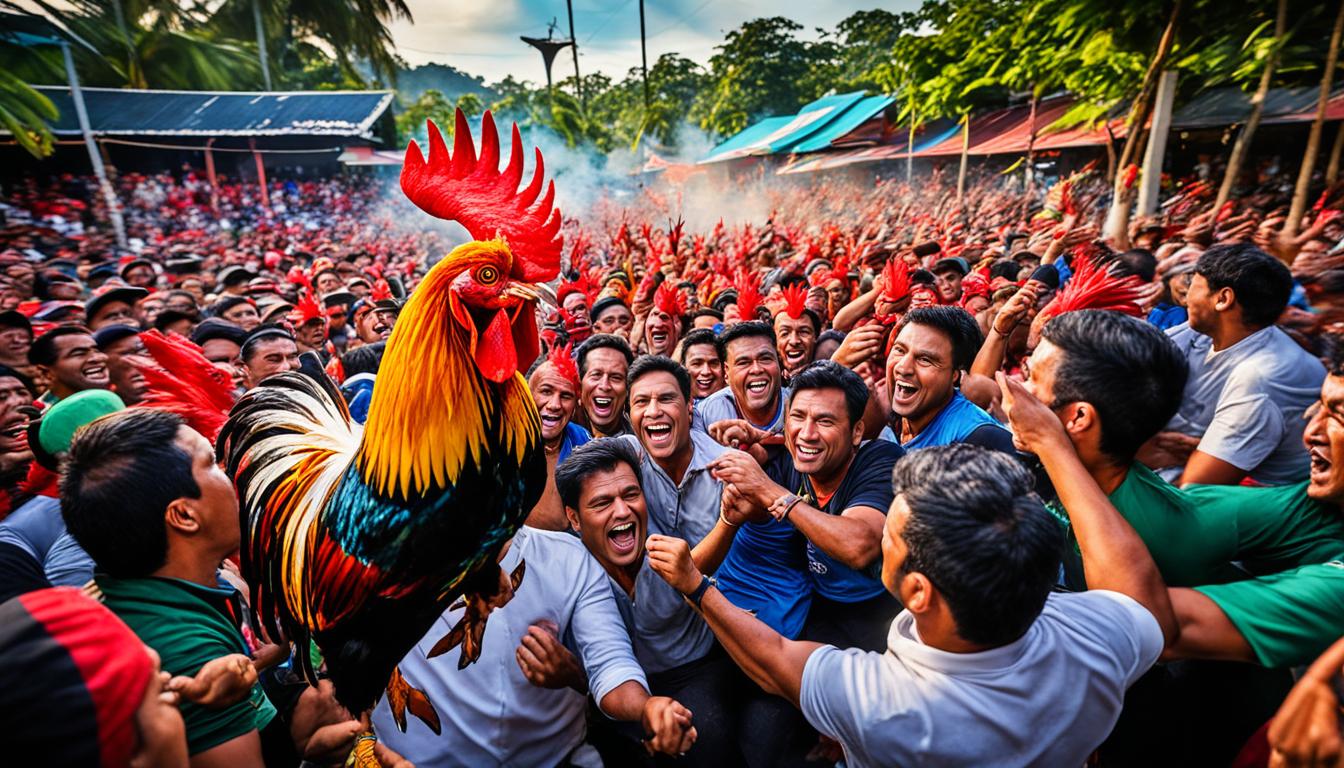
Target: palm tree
25 113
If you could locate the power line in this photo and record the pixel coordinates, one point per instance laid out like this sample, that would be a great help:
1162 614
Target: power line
456 53
606 20
682 20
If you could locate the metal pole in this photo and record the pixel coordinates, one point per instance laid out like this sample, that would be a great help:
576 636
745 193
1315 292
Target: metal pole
109 197
261 44
261 175
1150 181
574 48
644 58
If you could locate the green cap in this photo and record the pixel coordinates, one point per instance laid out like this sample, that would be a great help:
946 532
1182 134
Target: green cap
65 418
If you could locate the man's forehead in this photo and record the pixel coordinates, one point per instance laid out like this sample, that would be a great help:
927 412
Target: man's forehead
1332 391
547 374
605 358
821 399
746 345
615 480
654 383
701 350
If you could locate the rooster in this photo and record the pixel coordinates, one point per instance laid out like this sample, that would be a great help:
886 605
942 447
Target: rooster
358 539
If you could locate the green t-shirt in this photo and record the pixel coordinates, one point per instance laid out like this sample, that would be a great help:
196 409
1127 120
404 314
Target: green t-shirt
1287 618
1195 534
189 625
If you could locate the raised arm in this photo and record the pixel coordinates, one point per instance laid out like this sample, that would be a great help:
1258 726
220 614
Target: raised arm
1114 557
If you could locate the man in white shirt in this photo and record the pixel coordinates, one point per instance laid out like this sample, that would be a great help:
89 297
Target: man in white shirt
1241 412
495 712
985 664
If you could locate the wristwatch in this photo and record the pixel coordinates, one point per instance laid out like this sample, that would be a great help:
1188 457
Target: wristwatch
695 597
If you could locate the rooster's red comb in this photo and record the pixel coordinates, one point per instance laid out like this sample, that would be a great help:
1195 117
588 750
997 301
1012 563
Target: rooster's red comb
562 359
795 298
670 301
748 296
475 193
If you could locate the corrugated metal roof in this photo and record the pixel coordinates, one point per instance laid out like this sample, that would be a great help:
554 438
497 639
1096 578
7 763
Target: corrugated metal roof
124 112
857 114
1228 106
748 141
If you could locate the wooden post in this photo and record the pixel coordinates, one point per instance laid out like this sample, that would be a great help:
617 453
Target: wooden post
95 158
210 175
1242 147
1151 180
261 175
1299 206
965 152
1332 167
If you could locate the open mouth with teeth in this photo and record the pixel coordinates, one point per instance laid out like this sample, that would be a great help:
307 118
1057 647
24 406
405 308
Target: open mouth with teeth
758 388
659 338
550 422
602 407
794 357
622 538
1320 464
658 435
808 452
96 372
903 392
704 383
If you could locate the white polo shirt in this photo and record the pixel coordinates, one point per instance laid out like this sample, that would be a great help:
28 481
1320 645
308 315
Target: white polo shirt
1048 699
490 713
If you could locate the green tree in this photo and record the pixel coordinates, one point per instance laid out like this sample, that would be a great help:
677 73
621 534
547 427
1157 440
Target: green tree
762 68
430 106
25 113
470 104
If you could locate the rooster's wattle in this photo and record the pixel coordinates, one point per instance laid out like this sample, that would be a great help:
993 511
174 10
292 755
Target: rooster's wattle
358 539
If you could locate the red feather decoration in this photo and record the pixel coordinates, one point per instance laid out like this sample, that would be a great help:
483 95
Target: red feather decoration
182 381
795 300
381 290
748 296
306 309
670 301
487 202
895 280
1095 288
562 359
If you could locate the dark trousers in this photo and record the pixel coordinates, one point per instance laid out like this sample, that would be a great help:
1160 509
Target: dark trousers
864 624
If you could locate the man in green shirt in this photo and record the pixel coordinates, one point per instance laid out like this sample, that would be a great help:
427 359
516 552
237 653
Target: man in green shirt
1114 381
143 496
1286 604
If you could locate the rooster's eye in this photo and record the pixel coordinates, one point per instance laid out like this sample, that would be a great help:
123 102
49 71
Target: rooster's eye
487 275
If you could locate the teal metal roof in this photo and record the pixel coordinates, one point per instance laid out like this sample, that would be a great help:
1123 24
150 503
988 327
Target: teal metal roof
857 114
810 121
749 140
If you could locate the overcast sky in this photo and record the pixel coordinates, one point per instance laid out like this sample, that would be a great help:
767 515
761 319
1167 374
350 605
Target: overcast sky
481 38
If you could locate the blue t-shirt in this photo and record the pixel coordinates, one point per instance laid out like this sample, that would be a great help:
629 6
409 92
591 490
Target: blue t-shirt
955 423
866 484
1166 316
575 436
765 572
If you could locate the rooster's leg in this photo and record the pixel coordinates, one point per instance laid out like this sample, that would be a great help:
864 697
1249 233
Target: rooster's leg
471 627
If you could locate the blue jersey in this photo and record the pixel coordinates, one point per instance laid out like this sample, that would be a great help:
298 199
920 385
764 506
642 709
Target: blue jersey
867 483
765 572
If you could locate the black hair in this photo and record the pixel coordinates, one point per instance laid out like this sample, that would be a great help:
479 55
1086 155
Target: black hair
979 532
831 334
122 472
646 364
828 374
1261 283
813 316
169 316
364 359
1128 370
600 455
696 337
956 324
259 335
707 312
744 330
602 341
602 305
1138 262
43 349
7 372
1005 268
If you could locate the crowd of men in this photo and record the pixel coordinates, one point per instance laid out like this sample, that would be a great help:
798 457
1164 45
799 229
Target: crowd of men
889 479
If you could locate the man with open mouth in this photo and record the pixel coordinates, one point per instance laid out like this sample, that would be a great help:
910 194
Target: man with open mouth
933 347
69 361
662 327
604 362
554 381
834 488
750 411
601 487
796 331
700 356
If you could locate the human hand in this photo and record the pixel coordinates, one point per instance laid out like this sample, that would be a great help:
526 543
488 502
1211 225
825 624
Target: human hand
1018 308
668 725
1305 731
332 745
741 470
736 508
546 662
1035 427
670 558
220 683
861 344
736 433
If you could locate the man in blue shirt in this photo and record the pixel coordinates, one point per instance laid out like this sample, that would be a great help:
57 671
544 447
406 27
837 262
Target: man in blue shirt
554 382
751 408
932 348
834 489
